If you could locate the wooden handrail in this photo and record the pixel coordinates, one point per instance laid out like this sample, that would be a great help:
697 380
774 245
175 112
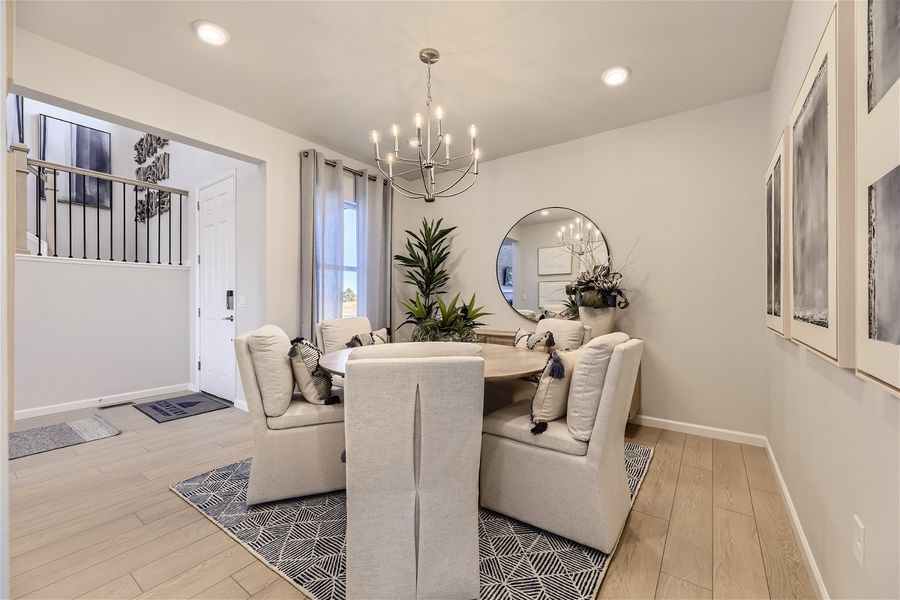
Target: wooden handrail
33 162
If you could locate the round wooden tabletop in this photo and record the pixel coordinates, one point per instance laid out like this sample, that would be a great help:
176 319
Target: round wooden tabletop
500 362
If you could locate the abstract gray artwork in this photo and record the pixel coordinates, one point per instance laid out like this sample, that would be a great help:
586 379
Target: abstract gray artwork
770 290
884 48
810 204
884 258
776 239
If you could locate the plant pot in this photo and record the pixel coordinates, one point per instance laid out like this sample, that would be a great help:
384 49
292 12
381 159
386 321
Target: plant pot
600 320
429 334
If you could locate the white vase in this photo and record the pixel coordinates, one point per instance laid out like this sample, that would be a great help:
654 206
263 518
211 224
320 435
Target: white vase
600 320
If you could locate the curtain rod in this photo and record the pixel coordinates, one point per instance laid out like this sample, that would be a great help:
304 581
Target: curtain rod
333 163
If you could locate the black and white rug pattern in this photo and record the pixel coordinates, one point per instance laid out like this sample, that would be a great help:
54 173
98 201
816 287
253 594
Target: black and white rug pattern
303 539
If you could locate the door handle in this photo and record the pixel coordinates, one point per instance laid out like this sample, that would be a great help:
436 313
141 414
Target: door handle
228 318
229 299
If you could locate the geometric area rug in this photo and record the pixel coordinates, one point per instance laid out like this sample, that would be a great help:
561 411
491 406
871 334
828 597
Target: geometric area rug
303 539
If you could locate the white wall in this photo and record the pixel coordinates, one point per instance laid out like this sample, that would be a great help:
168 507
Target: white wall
82 333
834 435
49 71
687 185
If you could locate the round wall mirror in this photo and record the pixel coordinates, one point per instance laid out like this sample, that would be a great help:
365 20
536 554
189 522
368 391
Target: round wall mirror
541 254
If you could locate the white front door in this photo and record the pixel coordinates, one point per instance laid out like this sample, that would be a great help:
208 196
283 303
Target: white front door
216 291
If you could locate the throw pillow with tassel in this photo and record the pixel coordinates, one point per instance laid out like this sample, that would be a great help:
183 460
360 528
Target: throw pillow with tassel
552 393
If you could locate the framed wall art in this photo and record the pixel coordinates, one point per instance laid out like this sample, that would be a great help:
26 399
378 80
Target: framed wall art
777 263
820 186
554 260
877 256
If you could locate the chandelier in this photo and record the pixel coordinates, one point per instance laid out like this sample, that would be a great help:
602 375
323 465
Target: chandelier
431 150
580 239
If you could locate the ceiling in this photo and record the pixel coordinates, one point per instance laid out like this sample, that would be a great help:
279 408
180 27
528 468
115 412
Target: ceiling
527 73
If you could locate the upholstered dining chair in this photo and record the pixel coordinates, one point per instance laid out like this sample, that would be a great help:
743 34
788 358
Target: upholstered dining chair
413 429
575 488
297 444
567 335
334 334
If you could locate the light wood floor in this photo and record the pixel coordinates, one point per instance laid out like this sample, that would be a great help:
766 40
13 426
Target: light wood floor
98 520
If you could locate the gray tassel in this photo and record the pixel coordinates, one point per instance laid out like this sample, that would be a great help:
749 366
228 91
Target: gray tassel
550 341
557 370
539 427
344 456
333 400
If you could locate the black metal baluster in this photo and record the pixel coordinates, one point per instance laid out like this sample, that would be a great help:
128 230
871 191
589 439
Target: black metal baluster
158 228
147 214
180 225
97 181
71 191
83 220
170 228
112 201
37 207
135 222
124 211
55 219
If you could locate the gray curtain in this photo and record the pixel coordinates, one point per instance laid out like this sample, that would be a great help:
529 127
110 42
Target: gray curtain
321 241
373 202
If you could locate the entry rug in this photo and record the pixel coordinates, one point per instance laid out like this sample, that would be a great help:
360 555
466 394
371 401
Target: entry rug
171 409
60 435
303 539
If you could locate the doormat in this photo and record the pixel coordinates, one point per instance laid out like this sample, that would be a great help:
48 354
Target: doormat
58 435
172 409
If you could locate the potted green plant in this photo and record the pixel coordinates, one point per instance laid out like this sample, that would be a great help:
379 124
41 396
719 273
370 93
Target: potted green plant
598 293
425 265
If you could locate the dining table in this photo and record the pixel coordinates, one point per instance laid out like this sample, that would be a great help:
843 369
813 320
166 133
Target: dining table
501 362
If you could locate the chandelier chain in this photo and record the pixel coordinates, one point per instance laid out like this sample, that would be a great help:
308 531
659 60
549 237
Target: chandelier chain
428 84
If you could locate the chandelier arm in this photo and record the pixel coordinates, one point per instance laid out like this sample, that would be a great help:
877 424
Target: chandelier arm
455 183
444 169
403 159
405 173
403 191
442 195
437 147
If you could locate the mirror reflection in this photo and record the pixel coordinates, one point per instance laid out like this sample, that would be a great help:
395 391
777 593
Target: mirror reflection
543 253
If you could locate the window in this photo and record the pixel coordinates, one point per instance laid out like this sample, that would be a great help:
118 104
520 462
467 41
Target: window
349 280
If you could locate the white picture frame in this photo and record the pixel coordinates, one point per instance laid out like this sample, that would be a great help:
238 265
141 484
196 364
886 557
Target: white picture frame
554 260
826 323
878 162
552 293
778 307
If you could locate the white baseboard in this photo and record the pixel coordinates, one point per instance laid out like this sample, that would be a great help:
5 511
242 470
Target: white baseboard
241 404
729 435
751 439
814 572
40 411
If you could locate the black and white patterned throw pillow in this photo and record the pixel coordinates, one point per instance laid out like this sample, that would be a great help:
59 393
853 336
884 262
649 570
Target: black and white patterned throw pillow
314 381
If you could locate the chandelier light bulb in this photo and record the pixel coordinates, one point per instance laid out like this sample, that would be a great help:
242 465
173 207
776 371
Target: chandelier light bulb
395 130
418 120
439 113
374 137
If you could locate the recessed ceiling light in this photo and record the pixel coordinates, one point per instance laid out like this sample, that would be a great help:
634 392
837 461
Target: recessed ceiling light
210 33
544 213
615 76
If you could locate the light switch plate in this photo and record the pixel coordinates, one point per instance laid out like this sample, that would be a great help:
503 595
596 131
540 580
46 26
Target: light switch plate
859 542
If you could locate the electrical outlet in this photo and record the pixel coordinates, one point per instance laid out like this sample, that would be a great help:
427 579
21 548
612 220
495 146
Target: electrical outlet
859 542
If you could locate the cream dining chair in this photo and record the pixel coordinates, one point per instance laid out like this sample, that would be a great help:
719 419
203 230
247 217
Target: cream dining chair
413 432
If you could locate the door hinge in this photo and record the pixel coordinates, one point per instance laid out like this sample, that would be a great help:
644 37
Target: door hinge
198 205
198 259
198 365
198 312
